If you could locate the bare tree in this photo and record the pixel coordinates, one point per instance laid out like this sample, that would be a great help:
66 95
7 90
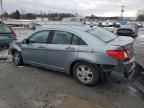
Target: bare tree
23 12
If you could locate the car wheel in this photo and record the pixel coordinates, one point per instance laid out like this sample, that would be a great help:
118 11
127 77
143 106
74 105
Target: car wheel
86 74
17 59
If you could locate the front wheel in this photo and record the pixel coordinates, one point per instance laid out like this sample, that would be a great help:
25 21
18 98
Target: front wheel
86 74
17 59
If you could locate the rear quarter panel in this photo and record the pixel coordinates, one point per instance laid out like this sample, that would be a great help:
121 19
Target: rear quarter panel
98 55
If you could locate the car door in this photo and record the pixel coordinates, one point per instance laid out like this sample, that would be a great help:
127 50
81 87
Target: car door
35 51
60 51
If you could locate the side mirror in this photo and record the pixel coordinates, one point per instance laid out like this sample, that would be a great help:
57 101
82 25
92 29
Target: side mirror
25 41
140 26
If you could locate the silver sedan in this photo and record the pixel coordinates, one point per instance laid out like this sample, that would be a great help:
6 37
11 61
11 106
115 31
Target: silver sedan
87 53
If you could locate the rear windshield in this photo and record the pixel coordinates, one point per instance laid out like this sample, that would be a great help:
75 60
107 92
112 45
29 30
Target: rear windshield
102 34
129 26
4 29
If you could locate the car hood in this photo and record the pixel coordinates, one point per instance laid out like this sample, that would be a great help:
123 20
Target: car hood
122 41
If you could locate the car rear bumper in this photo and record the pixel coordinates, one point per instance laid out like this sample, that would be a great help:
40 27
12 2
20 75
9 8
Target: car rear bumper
125 34
5 42
132 34
126 67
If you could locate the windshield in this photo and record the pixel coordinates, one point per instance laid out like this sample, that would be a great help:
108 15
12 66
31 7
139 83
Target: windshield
4 29
102 34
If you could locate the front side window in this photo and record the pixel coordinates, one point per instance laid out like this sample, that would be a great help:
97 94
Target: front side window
61 37
40 37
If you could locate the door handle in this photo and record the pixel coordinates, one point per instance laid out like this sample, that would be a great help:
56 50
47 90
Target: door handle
41 47
70 48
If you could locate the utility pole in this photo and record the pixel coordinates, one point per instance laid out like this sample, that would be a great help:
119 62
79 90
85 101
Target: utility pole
2 15
122 11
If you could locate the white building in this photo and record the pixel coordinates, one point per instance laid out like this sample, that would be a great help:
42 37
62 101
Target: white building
73 19
42 19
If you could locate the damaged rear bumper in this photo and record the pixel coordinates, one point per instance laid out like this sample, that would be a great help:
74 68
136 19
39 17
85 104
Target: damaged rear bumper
127 67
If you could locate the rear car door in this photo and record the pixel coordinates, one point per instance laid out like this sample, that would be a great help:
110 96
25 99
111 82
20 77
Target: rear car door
61 50
35 51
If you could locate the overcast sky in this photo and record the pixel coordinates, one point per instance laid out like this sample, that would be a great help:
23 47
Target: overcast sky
84 7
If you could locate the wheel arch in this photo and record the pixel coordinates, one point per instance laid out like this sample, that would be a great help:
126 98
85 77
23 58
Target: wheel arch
70 70
14 50
102 77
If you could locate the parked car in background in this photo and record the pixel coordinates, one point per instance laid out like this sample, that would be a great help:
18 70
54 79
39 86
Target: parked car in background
130 29
123 22
34 26
106 24
116 24
87 53
140 25
7 35
95 23
87 23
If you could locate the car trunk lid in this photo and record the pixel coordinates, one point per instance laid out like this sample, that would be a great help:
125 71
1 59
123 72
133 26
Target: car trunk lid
125 43
121 41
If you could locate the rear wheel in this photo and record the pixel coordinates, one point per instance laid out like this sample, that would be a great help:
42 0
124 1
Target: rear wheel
86 74
17 59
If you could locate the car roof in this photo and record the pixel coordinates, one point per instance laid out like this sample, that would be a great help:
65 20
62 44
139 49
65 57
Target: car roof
68 27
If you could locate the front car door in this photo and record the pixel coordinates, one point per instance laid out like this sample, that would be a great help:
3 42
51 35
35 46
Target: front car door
35 51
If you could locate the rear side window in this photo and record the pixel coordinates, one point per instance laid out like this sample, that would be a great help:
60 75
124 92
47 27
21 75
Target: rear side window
4 29
61 37
77 41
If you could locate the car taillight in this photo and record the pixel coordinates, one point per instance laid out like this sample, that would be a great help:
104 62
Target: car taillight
14 34
118 54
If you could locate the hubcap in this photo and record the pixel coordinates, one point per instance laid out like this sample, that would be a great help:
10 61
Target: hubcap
84 73
16 58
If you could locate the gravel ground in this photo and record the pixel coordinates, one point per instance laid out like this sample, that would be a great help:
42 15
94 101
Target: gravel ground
32 87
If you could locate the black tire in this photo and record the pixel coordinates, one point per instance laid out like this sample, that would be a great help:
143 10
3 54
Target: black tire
93 74
17 59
